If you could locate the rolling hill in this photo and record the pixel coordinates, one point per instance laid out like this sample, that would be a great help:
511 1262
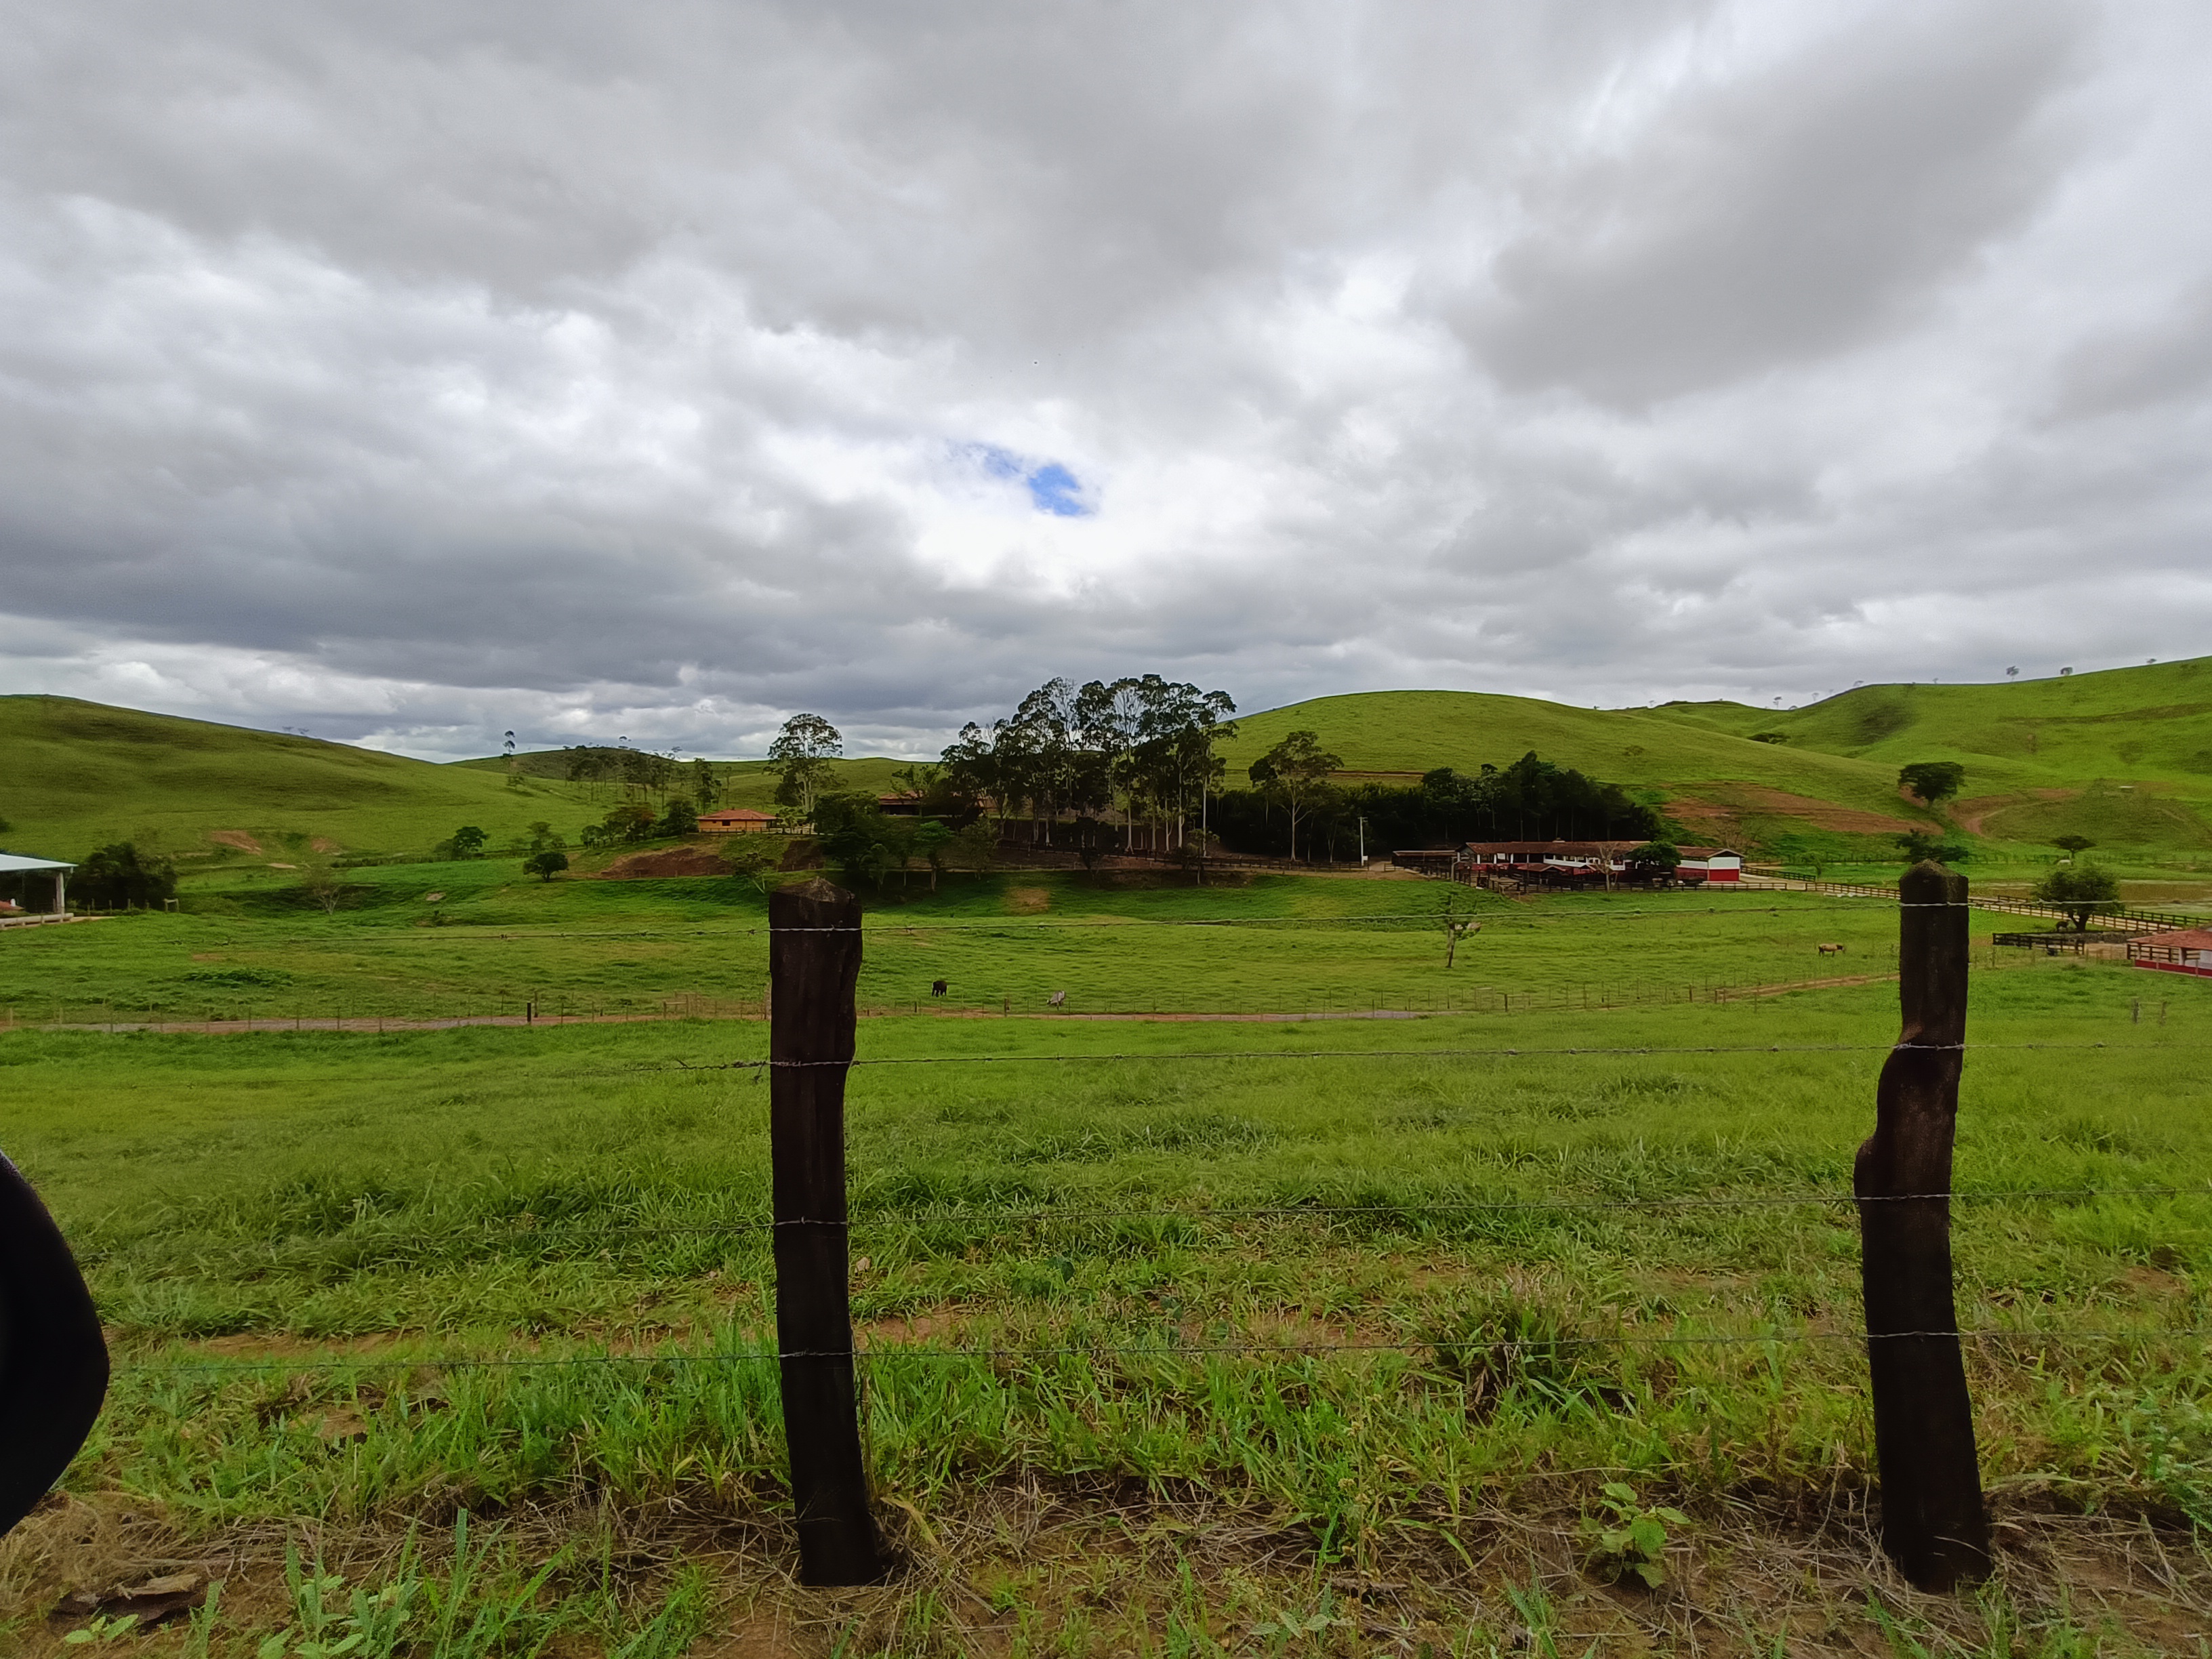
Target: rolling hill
79 774
2123 757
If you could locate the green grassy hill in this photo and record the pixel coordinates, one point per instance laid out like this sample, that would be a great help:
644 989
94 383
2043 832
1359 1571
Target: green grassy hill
745 783
2123 757
1722 787
79 774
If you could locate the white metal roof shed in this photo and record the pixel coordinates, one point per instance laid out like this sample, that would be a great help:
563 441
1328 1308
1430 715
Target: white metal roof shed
15 864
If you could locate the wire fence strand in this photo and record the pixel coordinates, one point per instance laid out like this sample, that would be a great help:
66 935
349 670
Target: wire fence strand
1441 1348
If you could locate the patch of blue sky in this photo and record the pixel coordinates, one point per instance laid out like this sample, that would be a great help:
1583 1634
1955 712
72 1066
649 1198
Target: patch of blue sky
1052 488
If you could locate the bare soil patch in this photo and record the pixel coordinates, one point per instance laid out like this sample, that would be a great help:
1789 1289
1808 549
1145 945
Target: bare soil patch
1729 802
1969 814
237 838
669 861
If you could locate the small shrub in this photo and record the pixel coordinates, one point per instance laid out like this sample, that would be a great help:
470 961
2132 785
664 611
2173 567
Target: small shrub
1503 1348
1627 1538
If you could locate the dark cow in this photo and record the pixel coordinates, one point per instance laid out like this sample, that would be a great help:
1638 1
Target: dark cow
937 987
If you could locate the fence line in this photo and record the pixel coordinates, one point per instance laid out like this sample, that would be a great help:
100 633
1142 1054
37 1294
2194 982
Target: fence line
709 1067
1441 1347
1412 1209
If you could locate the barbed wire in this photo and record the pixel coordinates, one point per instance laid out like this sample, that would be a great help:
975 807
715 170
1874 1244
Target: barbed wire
560 1230
1443 1347
1647 1049
1112 923
707 1068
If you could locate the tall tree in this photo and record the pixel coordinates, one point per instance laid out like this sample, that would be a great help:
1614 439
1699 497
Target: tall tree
2080 892
706 784
1171 762
1293 772
802 752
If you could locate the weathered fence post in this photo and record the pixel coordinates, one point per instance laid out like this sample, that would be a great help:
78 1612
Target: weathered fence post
1932 1523
814 961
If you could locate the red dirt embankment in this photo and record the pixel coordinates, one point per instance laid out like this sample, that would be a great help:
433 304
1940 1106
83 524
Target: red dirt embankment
670 861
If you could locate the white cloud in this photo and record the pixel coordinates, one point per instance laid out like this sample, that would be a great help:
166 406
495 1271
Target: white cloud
415 373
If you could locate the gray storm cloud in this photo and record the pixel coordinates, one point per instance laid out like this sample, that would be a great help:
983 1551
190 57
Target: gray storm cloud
415 371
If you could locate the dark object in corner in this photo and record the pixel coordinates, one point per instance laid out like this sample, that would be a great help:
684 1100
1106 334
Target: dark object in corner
53 1361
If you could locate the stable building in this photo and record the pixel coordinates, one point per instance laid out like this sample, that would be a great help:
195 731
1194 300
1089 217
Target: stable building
25 873
736 821
1563 863
2186 950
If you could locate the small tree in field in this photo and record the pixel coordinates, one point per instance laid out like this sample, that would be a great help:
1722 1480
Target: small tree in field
468 841
321 882
1932 781
546 864
2073 846
2081 892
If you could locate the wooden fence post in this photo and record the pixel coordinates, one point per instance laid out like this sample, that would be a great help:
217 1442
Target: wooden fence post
814 961
1932 1523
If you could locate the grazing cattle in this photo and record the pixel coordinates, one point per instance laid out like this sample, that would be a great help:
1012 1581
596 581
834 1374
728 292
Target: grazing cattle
937 987
1059 998
1831 949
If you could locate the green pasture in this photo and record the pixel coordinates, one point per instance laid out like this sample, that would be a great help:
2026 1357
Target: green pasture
360 1287
252 946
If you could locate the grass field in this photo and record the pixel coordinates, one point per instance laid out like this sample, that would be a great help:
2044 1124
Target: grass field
1307 1338
251 947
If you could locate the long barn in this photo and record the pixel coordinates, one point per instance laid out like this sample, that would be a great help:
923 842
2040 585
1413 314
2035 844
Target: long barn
1563 863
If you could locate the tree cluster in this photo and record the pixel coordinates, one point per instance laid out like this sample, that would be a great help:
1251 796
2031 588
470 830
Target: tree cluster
633 821
1531 799
118 877
868 844
641 773
1143 743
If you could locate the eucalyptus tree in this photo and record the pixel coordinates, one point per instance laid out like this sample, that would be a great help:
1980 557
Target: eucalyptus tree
802 752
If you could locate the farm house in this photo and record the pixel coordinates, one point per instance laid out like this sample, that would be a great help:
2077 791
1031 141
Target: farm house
2186 950
736 821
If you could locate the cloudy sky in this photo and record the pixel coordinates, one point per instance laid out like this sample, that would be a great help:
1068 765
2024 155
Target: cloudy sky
412 372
